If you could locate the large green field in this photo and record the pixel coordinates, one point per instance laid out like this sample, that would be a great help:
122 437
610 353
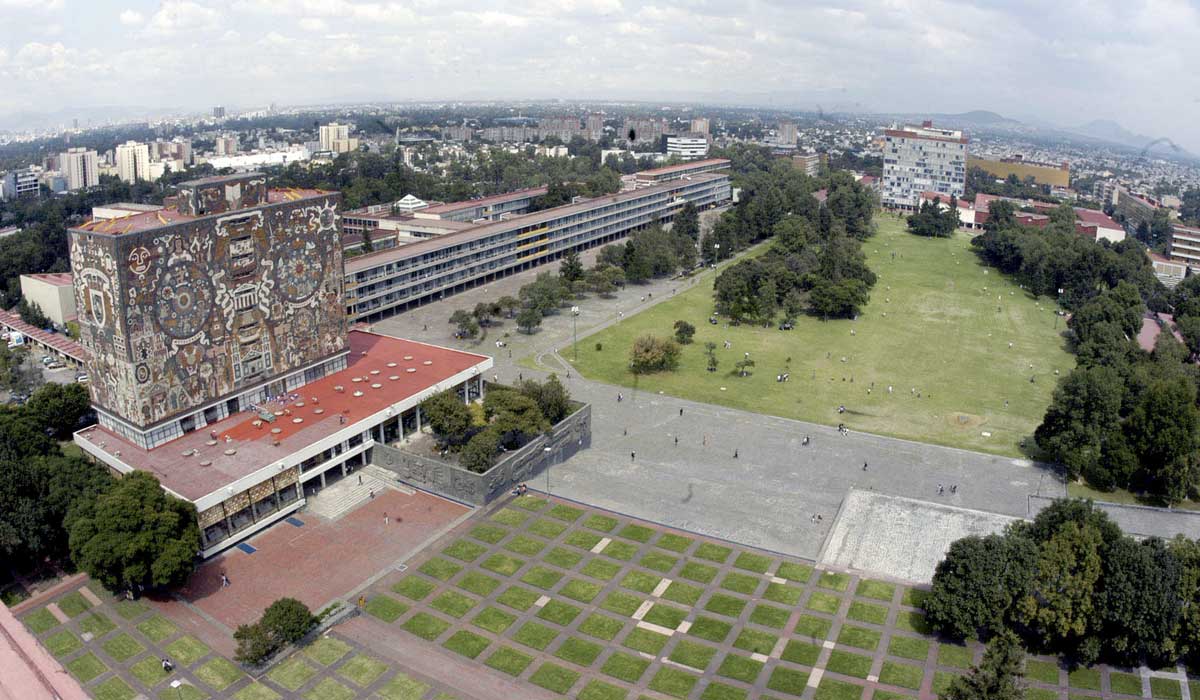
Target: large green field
939 324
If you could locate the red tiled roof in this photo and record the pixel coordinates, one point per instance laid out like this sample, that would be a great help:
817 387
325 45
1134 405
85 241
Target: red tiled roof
484 201
61 343
58 279
1097 218
667 169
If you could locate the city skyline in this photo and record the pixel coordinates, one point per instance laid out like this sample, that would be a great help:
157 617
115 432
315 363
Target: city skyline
864 56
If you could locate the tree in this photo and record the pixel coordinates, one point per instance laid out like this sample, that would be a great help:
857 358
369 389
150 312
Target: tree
484 311
508 304
998 675
32 314
479 454
687 222
1060 606
551 396
61 408
1001 215
710 350
528 319
254 644
1083 417
684 332
841 299
287 620
1164 431
514 416
465 323
136 535
652 354
933 221
976 585
1140 610
447 416
604 280
571 268
743 365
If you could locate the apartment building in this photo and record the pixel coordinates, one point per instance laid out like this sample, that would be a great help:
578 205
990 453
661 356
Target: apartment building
920 159
133 161
657 176
18 184
336 138
80 168
688 146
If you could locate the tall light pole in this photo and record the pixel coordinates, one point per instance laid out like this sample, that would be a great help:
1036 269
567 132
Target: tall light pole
575 324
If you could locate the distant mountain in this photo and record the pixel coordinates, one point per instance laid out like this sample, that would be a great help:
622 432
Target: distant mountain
980 117
1112 132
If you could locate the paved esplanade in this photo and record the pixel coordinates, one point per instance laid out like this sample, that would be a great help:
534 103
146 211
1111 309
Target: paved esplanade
766 497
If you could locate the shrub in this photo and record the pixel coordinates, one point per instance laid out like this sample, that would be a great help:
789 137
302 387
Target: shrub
479 454
651 354
684 332
254 644
287 620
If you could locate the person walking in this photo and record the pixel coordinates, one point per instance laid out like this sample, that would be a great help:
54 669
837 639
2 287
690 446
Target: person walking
677 441
386 519
632 456
224 580
864 466
681 413
735 453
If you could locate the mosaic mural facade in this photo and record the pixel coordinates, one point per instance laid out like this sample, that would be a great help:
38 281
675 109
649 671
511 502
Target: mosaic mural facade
177 316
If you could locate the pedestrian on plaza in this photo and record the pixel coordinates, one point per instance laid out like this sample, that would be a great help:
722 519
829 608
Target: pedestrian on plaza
386 519
941 489
372 493
677 441
624 431
953 488
681 413
735 453
632 456
619 397
224 580
360 479
864 466
167 666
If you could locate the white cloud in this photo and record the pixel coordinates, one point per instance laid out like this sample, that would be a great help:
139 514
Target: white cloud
132 18
51 5
183 15
314 24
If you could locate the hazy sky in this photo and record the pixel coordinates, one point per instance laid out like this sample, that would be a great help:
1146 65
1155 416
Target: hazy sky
1069 61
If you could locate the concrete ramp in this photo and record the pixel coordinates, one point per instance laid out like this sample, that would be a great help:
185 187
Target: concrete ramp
900 538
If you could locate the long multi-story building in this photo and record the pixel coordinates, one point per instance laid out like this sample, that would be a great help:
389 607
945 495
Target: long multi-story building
80 167
18 184
920 159
657 176
1185 245
133 161
383 283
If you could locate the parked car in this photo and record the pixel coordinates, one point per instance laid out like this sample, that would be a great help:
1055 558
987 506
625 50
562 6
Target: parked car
82 378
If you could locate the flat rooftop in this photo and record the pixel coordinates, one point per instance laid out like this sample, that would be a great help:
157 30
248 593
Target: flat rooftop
58 279
448 207
143 221
682 167
382 370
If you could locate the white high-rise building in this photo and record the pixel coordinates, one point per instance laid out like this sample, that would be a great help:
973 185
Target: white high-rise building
80 168
787 133
920 159
336 137
133 161
688 146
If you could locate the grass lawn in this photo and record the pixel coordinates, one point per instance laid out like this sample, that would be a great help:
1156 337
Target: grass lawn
700 573
867 612
1165 689
622 603
672 542
580 590
96 624
113 689
73 604
480 584
509 660
875 589
363 670
122 647
645 640
741 583
849 664
488 533
426 626
626 667
640 533
186 651
563 558
149 671
658 561
720 691
640 581
755 641
466 643
599 690
186 691
618 549
328 650
578 651
517 598
934 296
559 612
757 563
494 620
783 593
796 573
547 528
414 587
385 608
440 569
256 691
603 523
40 620
665 615
292 673
541 577
914 597
554 678
823 602
564 513
86 667
787 680
602 627
912 622
583 540
770 616
219 673
722 604
62 643
532 503
452 603
909 648
903 675
812 626
682 593
465 550
535 635
741 668
801 653
1044 671
710 628
712 552
501 564
510 517
673 682
403 687
1085 678
329 689
834 581
527 546
954 655
837 690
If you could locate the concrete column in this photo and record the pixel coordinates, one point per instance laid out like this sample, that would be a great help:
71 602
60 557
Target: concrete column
323 479
418 419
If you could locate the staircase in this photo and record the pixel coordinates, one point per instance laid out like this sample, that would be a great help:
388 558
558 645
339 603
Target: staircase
336 500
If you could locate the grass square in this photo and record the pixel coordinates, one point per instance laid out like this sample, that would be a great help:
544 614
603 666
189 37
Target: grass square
673 542
530 503
494 620
796 573
599 690
130 610
658 561
40 620
801 653
1084 678
878 590
256 691
626 667
1043 671
812 626
466 643
955 655
414 587
327 650
547 528
858 637
403 687
942 681
329 689
622 603
834 581
823 602
488 533
914 597
86 667
541 577
518 598
889 695
149 671
722 604
1165 689
720 691
645 640
113 689
62 643
837 690
385 608
509 517
665 616
680 592
553 677
618 549
564 513
673 682
697 656
783 593
73 604
603 523
578 589
638 533
187 650
741 668
218 673
97 625
579 651
452 603
755 641
709 628
509 660
292 673
535 635
848 664
757 563
481 585
640 581
601 627
559 612
867 612
1125 683
440 569
527 546
713 552
426 626
913 622
700 573
903 675
502 564
157 628
909 648
770 616
787 680
465 550
601 569
741 583
583 539
562 558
